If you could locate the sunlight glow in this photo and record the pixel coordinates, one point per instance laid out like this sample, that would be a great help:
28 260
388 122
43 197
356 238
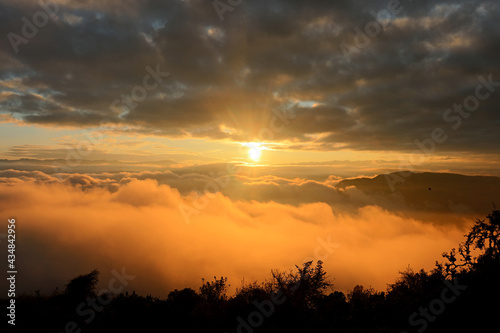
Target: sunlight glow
254 150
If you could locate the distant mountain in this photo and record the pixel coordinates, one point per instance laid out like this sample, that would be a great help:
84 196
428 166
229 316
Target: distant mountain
433 191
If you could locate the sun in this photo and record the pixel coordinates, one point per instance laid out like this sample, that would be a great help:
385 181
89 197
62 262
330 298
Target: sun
254 152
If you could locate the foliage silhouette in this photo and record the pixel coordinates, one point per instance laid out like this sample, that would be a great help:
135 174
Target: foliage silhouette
484 236
214 291
307 300
304 287
83 286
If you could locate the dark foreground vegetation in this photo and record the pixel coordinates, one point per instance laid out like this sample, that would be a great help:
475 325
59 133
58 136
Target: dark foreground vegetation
460 295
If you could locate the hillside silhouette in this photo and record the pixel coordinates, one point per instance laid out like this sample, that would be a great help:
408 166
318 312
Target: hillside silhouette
461 293
431 192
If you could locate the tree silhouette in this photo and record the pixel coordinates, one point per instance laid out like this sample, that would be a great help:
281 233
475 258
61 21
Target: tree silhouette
214 291
183 302
82 286
249 292
484 237
303 303
306 286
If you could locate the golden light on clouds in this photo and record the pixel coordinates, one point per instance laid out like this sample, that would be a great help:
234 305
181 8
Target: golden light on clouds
254 150
370 243
183 141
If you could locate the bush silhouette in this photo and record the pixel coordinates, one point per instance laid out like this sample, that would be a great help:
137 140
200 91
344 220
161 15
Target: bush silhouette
307 303
214 291
304 287
82 286
484 237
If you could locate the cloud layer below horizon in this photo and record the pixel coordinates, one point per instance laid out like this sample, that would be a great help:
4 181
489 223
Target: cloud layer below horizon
65 230
97 180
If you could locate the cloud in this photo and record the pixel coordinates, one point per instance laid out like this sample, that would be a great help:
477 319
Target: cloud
64 231
265 55
439 198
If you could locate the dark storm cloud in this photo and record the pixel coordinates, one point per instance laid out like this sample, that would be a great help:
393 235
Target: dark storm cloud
231 74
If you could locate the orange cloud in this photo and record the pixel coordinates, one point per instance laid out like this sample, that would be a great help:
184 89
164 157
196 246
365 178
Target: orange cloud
64 231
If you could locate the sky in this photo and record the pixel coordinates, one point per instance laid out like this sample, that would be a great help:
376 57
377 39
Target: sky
197 137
